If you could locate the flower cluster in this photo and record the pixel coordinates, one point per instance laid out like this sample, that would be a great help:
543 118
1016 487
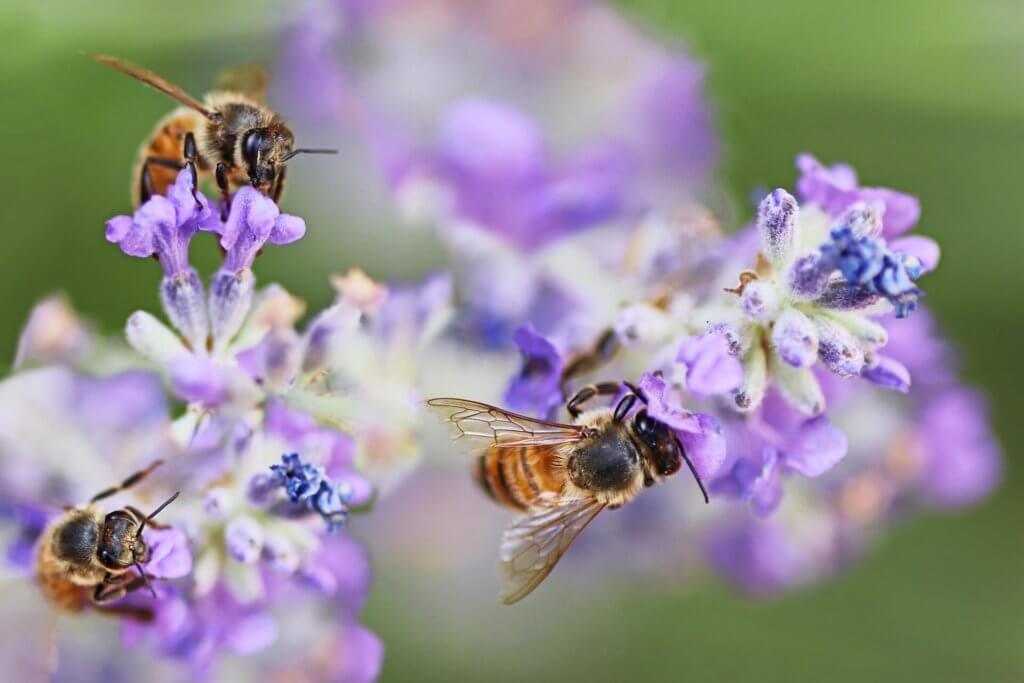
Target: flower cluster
581 247
253 387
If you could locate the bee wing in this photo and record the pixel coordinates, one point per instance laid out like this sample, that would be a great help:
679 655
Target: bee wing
532 546
485 425
154 81
248 79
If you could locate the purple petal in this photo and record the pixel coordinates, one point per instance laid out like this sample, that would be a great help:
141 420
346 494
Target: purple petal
888 373
664 407
925 250
711 368
817 447
537 387
287 229
490 139
170 557
706 448
251 634
199 379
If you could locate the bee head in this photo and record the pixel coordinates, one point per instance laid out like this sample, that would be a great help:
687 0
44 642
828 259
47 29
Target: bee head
664 451
121 544
264 152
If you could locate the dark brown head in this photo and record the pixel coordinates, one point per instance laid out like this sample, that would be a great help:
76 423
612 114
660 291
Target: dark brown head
121 544
264 153
661 449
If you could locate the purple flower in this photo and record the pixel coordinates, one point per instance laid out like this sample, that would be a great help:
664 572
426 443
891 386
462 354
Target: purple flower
961 459
700 434
253 221
163 226
537 387
711 367
169 557
755 479
835 189
758 556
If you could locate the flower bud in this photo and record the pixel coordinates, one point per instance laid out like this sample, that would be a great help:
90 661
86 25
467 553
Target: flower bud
749 394
776 221
795 338
808 277
244 539
887 373
800 388
152 339
838 349
230 301
182 297
760 301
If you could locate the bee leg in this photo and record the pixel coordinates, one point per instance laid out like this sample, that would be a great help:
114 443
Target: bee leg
279 185
127 483
146 179
604 349
223 186
588 392
137 613
191 156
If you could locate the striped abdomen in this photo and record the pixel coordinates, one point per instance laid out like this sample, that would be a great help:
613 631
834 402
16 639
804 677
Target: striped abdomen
167 144
517 476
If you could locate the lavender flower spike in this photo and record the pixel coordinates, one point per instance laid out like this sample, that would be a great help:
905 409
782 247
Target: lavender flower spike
163 227
254 220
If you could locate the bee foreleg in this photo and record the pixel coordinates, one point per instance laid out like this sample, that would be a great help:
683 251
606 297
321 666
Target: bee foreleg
279 185
224 187
130 611
588 392
127 483
191 156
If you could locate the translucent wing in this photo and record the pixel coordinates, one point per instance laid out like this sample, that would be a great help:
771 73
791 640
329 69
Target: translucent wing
249 79
532 547
154 81
485 425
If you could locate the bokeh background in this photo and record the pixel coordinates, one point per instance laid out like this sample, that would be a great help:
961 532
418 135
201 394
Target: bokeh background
921 95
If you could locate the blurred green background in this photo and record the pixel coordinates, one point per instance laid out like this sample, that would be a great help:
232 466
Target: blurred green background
922 95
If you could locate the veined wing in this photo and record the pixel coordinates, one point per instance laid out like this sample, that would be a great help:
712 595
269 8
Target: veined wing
532 546
485 425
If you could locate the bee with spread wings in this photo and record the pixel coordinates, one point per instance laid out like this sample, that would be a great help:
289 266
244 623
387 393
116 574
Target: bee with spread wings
560 476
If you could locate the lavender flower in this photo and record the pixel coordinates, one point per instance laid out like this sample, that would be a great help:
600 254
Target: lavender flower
537 387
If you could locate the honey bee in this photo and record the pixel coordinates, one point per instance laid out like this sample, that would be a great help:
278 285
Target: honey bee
560 476
232 134
86 557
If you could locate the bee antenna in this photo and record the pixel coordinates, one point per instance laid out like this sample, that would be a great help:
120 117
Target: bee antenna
154 513
145 579
693 471
308 150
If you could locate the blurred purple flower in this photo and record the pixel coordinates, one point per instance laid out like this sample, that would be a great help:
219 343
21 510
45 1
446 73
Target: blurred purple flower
835 189
711 368
536 389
